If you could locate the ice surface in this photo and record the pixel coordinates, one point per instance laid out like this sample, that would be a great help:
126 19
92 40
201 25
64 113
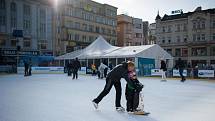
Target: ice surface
59 98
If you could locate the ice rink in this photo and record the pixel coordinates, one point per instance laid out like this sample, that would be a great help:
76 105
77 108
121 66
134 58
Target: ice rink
59 98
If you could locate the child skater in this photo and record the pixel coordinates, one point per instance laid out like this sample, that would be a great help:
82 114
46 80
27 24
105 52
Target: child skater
132 93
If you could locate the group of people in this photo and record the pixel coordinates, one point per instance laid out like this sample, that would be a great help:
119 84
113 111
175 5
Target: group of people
27 66
180 65
73 67
102 70
125 70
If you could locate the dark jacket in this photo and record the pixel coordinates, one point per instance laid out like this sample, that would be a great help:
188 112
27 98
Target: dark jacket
118 72
163 66
180 65
76 64
137 86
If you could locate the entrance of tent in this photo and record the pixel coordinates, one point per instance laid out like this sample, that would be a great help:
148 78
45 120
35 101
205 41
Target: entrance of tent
145 65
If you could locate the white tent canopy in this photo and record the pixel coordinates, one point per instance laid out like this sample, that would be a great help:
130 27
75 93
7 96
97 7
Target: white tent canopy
100 48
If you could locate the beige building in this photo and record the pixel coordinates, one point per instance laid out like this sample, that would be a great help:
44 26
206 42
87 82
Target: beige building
80 22
189 36
129 31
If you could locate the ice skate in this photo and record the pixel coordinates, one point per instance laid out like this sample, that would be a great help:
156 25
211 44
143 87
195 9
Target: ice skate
96 106
120 109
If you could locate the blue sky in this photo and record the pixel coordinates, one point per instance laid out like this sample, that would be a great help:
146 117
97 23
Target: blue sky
147 9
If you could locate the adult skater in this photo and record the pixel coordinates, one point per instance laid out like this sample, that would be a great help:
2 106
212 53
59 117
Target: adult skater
163 70
76 67
113 79
101 69
180 65
26 68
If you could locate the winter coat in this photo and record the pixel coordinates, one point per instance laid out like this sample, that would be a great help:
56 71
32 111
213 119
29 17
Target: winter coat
180 64
163 66
118 72
76 64
102 67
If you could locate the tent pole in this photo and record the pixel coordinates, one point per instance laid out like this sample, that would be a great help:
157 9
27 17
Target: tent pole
116 61
64 62
108 62
87 63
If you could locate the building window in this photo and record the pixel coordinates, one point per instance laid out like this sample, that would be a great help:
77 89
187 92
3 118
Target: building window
77 37
194 25
184 52
213 23
201 51
77 25
169 29
169 51
203 36
13 43
91 38
27 43
27 10
177 52
185 38
194 37
2 20
91 28
2 4
178 28
213 36
84 38
2 42
212 51
138 26
84 27
198 37
198 25
97 29
169 39
185 27
178 39
203 24
103 30
163 40
163 29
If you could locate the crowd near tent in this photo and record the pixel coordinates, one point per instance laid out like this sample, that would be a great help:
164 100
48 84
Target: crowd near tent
146 57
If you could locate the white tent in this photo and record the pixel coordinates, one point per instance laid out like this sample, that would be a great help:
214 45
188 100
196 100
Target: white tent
100 48
95 50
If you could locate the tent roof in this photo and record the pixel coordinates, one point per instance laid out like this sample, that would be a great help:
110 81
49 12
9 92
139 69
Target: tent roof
100 48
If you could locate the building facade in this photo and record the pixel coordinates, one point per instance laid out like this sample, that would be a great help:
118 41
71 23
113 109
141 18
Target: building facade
152 34
129 31
80 22
32 21
189 36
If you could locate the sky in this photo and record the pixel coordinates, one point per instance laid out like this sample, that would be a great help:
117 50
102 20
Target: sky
148 9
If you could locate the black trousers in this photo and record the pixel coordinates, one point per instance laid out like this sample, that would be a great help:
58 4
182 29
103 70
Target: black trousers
181 74
26 71
132 100
75 73
106 90
105 72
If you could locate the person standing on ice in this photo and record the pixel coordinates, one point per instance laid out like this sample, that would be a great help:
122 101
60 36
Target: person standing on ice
180 65
101 69
76 66
113 79
132 93
163 70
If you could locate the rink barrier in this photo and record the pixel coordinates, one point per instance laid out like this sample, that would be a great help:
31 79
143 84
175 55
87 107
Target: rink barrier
48 70
188 73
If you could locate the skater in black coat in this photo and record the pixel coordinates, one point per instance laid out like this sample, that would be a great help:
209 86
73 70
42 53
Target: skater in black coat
76 66
180 65
163 70
113 79
132 93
